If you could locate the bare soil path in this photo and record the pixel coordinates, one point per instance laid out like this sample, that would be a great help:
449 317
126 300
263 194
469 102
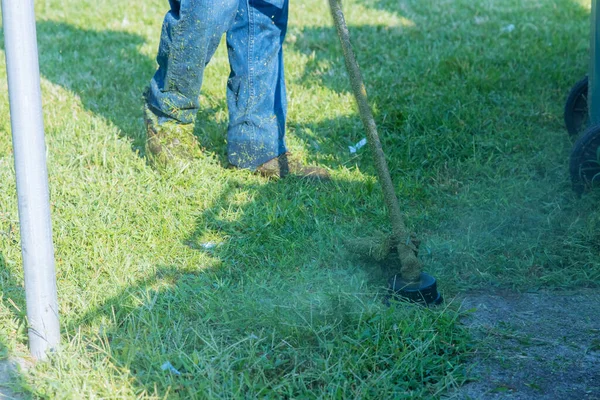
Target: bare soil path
536 345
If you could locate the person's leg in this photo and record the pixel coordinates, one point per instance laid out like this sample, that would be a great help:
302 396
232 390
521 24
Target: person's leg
191 32
256 95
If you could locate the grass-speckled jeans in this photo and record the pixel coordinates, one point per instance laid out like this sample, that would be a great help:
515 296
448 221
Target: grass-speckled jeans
256 96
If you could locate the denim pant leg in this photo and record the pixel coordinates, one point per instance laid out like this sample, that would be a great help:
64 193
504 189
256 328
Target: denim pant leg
191 32
256 95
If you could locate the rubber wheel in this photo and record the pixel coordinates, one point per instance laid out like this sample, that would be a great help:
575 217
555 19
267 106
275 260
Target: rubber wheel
577 118
584 165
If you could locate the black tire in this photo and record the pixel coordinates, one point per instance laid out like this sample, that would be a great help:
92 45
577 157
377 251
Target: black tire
584 165
577 118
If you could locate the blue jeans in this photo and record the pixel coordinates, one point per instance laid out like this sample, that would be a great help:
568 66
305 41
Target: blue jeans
256 96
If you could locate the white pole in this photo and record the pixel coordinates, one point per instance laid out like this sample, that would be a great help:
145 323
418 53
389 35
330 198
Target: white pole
27 124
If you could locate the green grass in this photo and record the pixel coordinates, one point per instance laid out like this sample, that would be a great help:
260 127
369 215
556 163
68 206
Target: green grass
471 121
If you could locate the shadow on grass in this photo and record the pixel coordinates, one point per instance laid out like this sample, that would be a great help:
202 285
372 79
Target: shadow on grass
426 127
12 297
104 68
107 71
286 313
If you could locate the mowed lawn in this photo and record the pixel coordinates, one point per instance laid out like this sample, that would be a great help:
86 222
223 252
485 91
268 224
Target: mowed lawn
205 282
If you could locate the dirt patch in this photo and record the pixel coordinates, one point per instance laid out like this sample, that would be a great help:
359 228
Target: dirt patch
536 346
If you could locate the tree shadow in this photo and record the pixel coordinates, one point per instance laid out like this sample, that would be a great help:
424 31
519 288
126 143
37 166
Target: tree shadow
405 7
104 68
391 68
422 124
13 293
283 274
292 221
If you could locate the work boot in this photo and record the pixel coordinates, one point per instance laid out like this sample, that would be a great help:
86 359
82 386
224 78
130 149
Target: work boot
286 164
169 141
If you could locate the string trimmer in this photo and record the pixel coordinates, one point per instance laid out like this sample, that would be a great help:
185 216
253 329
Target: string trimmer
411 283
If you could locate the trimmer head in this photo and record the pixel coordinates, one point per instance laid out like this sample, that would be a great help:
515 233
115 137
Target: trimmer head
422 292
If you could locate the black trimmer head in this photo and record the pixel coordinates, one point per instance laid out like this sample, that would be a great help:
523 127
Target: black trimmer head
423 292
